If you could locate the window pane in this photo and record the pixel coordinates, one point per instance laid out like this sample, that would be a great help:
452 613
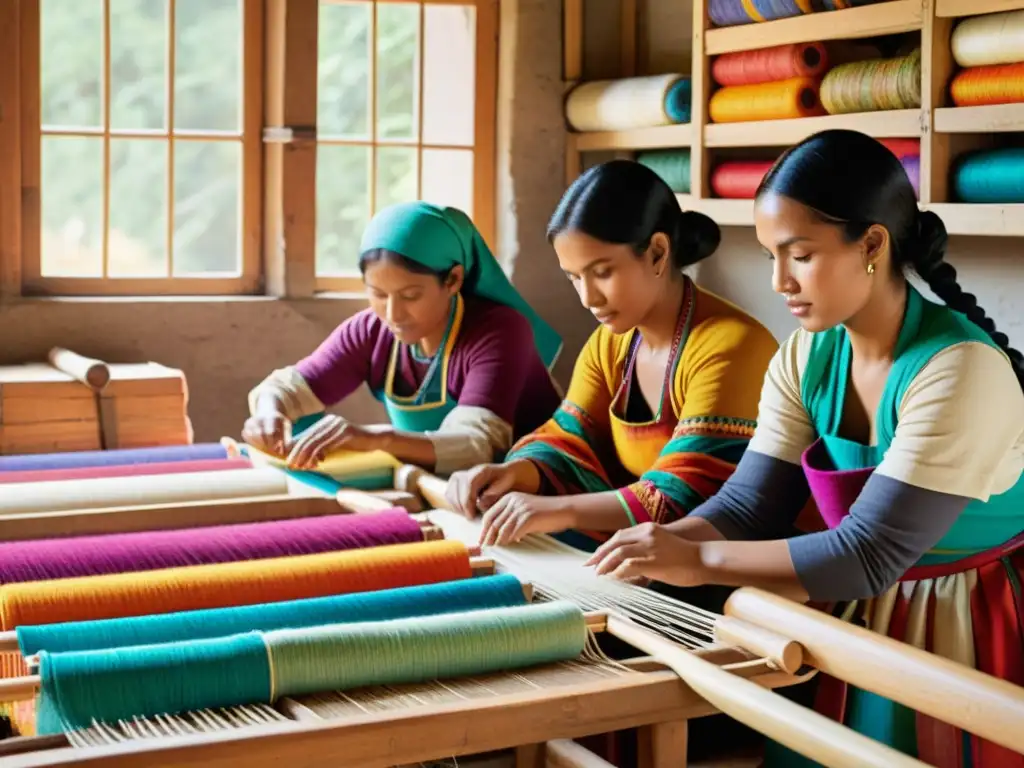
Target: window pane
342 207
396 176
137 244
449 74
397 69
72 206
448 178
207 216
208 65
71 65
138 64
343 70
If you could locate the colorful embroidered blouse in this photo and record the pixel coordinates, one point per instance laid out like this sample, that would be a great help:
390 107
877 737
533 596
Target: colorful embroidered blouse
664 464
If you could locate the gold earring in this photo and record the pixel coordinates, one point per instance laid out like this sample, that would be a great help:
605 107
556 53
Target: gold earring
871 269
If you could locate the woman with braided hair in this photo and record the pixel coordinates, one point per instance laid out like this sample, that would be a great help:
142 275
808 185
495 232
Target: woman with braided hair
902 417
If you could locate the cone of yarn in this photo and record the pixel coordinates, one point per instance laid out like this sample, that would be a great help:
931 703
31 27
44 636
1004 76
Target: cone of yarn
995 38
726 13
44 559
902 147
912 165
672 165
632 102
124 470
796 97
874 85
765 65
225 584
739 179
260 667
115 458
996 84
990 176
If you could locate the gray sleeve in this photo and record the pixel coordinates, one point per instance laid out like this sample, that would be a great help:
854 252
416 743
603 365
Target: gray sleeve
760 501
888 529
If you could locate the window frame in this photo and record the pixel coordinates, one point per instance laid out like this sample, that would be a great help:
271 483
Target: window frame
278 237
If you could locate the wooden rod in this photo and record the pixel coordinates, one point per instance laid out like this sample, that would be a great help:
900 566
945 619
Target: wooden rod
784 654
798 728
95 374
954 693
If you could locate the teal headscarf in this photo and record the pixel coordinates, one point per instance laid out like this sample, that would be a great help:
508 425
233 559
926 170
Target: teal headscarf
439 238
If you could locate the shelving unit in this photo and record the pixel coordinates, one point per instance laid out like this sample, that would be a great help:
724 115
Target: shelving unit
945 131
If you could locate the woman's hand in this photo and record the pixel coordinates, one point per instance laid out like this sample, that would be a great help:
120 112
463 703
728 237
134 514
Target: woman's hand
478 489
330 434
651 552
268 433
516 515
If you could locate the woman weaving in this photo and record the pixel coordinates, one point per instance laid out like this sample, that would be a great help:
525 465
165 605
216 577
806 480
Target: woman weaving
903 418
664 394
458 358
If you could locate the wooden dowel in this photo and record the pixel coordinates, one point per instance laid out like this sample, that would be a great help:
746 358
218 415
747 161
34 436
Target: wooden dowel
360 501
431 533
565 753
93 373
798 728
783 653
431 488
954 693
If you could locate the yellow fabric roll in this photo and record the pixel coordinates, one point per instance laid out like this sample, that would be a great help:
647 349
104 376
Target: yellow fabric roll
620 105
340 465
996 38
138 490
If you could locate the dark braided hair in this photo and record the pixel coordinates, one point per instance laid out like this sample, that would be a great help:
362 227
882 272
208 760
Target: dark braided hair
848 178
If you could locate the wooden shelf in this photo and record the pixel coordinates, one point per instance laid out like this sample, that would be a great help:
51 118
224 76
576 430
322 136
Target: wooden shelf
867 21
998 118
981 219
899 123
953 8
660 137
726 213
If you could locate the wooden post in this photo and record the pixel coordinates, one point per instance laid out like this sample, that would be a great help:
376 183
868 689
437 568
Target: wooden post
10 150
700 82
936 70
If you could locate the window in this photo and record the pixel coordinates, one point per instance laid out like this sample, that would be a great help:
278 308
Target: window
405 111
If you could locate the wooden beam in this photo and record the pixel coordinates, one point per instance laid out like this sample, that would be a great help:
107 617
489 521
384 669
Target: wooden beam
289 202
10 150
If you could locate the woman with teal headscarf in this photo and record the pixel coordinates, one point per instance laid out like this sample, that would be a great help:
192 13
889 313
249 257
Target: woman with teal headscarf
458 358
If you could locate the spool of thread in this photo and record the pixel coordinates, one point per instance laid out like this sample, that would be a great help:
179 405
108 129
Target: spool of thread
116 458
260 667
727 13
874 85
45 559
404 602
672 165
126 470
796 97
994 38
95 374
902 147
107 492
738 179
990 176
765 65
996 84
241 583
912 165
632 102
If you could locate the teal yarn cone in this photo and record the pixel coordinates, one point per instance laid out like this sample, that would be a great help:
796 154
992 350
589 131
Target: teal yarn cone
430 648
990 176
447 597
677 101
672 165
148 680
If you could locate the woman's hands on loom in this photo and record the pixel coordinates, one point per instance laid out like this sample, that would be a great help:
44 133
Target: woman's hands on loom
476 490
650 551
516 515
330 434
268 432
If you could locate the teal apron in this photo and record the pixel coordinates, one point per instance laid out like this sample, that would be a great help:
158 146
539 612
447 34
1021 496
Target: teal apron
837 469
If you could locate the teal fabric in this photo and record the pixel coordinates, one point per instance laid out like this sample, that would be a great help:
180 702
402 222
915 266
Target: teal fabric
440 238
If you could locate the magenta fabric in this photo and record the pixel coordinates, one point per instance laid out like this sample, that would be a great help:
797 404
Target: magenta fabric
494 365
44 559
834 491
124 470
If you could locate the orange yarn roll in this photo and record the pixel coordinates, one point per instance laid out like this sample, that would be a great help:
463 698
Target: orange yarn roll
766 65
227 584
796 97
996 84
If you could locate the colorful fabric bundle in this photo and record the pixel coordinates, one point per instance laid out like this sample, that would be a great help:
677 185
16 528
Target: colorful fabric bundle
765 65
873 85
632 102
672 165
739 179
784 99
990 176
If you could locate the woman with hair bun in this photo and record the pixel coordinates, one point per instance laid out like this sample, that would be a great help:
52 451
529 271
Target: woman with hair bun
902 417
664 394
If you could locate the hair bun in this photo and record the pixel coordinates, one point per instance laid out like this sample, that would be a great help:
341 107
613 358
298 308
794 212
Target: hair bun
697 237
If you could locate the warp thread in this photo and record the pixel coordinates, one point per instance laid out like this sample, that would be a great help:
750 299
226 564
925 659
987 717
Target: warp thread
628 103
43 559
224 584
784 99
873 85
990 176
766 65
260 667
672 165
